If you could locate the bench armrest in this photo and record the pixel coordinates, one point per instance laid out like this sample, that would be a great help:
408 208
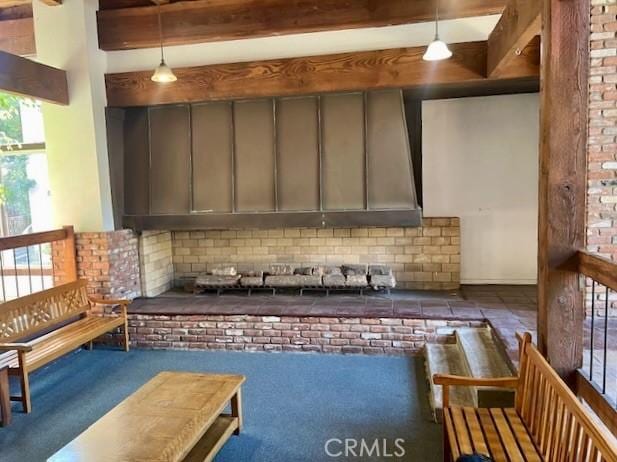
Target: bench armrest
123 303
15 347
446 381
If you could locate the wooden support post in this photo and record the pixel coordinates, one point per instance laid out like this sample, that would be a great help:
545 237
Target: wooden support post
562 192
69 260
236 410
5 402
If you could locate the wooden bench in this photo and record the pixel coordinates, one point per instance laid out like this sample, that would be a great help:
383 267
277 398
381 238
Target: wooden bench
38 328
548 423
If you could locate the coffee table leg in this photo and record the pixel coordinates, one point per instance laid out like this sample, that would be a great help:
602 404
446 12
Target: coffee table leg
236 409
5 403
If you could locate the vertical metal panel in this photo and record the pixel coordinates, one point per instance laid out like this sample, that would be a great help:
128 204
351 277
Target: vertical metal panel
254 155
136 162
212 157
114 118
298 154
170 159
390 176
343 163
413 120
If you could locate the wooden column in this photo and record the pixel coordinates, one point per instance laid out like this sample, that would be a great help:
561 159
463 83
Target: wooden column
563 148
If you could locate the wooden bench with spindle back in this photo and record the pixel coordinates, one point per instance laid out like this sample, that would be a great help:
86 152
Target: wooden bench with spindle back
41 327
547 423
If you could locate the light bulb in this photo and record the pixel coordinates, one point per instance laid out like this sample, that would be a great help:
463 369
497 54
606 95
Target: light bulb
163 74
437 51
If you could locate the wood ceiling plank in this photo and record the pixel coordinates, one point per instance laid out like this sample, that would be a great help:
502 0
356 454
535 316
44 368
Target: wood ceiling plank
518 26
202 21
397 68
24 77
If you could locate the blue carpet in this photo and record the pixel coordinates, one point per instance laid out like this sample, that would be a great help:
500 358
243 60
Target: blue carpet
293 403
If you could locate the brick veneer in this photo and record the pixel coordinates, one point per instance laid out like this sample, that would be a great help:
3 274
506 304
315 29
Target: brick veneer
109 260
426 257
283 333
602 157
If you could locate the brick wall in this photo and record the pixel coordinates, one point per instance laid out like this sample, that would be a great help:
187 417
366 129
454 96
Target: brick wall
155 259
110 262
426 257
602 161
282 333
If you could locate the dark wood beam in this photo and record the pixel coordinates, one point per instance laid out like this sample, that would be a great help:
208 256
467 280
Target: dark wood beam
562 192
12 3
52 2
24 77
519 24
209 21
17 36
397 68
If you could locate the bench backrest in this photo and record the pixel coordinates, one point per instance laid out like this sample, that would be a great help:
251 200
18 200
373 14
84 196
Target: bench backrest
561 427
28 315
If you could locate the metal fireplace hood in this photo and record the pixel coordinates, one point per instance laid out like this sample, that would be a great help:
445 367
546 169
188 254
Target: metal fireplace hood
336 160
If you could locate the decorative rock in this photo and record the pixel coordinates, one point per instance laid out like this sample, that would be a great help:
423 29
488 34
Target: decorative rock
379 270
224 271
280 270
305 271
210 280
354 270
334 280
383 282
356 280
293 281
324 270
252 281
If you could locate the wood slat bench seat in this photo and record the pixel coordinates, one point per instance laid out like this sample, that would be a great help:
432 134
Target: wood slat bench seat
547 424
41 327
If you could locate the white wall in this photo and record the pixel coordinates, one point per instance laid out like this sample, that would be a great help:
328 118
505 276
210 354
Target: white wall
480 163
75 135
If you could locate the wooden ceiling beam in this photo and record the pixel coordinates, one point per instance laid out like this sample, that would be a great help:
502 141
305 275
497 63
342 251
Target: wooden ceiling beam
17 36
398 68
52 2
201 21
520 23
24 77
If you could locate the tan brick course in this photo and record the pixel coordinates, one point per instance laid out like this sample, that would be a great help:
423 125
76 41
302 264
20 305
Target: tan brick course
427 257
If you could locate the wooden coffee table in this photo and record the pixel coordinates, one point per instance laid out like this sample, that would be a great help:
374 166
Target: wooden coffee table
176 416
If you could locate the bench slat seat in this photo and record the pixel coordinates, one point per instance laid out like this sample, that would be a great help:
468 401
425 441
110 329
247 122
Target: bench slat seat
548 423
499 433
41 327
64 340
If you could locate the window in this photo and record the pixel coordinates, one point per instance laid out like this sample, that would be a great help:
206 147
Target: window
24 187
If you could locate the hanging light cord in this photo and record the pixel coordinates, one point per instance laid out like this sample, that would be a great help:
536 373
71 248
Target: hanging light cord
436 19
160 30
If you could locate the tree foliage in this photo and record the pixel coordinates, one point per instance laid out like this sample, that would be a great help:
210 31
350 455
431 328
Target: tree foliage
15 185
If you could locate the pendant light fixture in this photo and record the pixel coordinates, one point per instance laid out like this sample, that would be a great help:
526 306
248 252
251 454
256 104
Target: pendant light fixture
437 50
163 73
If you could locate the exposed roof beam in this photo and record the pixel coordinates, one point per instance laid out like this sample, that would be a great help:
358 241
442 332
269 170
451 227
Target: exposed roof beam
24 77
12 3
398 68
519 24
17 36
201 21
